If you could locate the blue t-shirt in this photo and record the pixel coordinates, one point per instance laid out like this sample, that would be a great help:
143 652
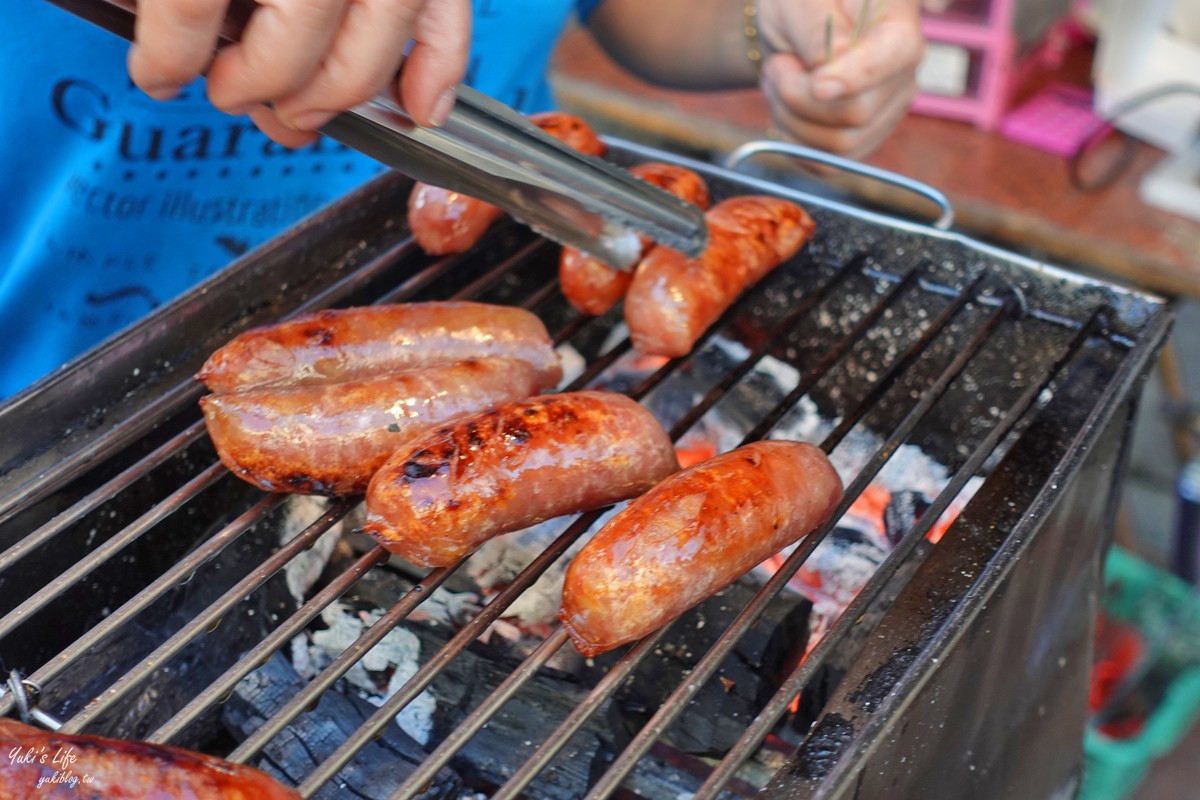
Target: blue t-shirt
114 203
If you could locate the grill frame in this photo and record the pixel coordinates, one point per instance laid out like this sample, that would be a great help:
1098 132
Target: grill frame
142 380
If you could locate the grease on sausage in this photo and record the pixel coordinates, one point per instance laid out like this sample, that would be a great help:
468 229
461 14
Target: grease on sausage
353 343
448 491
330 439
673 299
592 286
119 768
692 535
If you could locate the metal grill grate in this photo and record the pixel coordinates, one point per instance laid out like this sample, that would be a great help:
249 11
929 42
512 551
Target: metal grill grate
916 336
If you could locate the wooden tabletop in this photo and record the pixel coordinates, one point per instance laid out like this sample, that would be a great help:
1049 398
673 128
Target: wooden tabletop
1001 191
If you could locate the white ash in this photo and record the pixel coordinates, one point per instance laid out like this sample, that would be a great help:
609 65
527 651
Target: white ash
844 569
444 607
498 561
377 675
573 364
303 571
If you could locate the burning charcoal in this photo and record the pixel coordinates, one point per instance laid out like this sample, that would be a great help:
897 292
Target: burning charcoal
839 566
521 725
376 770
816 694
747 678
902 512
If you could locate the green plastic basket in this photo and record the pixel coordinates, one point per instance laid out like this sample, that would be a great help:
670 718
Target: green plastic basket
1148 598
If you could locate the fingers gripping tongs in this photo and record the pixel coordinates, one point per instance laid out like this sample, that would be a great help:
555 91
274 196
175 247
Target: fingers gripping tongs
489 151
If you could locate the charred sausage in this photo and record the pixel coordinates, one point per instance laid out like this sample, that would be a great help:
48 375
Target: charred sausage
673 299
692 535
592 286
57 766
330 439
353 343
444 222
448 491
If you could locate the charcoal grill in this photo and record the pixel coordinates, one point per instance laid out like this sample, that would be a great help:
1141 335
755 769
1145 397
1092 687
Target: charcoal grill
960 667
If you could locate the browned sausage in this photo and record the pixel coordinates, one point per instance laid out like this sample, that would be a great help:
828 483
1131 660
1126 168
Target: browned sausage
56 766
448 491
592 286
673 299
353 343
444 222
692 535
330 439
571 131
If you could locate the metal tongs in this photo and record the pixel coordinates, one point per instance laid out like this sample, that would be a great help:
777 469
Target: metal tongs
489 151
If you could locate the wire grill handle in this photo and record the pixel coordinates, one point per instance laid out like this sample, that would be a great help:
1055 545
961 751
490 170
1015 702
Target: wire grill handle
25 694
745 151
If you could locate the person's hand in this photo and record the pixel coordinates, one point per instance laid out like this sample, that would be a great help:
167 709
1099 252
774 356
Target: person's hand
300 62
837 78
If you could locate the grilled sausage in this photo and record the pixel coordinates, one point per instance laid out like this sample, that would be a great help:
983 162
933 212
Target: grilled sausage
330 439
444 222
353 343
571 131
55 766
592 286
692 535
448 491
673 299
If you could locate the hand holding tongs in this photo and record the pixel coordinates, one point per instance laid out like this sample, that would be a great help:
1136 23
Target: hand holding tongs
489 151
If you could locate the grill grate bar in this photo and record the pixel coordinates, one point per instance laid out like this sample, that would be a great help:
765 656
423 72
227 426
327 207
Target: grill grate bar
361 277
340 665
119 436
810 379
734 375
603 362
267 647
381 718
185 635
775 708
143 599
494 275
558 738
95 499
830 358
471 724
711 661
914 352
409 286
104 552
